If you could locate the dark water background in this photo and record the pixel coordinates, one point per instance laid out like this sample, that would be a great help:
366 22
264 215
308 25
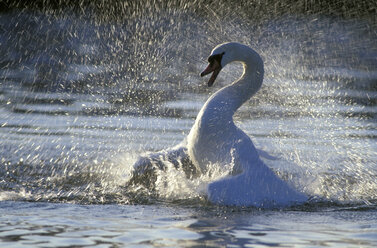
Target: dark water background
87 87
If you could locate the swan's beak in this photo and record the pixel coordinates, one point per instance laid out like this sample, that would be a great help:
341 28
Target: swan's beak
214 67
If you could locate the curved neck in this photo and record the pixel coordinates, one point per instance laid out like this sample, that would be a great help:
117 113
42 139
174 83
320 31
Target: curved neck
244 88
225 102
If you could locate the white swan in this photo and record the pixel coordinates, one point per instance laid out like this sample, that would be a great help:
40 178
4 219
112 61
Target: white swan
215 139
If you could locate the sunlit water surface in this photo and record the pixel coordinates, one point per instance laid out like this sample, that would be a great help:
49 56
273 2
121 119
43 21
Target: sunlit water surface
81 99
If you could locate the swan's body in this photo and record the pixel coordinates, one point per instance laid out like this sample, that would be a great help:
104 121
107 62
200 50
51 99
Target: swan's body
215 139
214 134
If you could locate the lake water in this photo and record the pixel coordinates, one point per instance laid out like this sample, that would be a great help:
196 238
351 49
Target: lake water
81 98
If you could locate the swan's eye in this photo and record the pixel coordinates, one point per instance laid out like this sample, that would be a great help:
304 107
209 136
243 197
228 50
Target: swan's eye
216 57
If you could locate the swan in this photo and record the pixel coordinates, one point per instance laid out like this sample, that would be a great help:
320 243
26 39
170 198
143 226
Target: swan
215 139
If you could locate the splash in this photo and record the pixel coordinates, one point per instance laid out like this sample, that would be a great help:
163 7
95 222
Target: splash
169 175
84 92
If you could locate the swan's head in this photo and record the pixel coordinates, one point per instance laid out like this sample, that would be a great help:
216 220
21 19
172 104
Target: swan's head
214 66
222 55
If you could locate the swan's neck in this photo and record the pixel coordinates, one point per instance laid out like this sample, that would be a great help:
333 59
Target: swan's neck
225 102
244 88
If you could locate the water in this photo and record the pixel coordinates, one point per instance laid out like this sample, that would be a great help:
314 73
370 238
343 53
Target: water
67 225
83 93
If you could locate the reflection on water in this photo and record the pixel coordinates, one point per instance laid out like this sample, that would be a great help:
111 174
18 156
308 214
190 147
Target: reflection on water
63 225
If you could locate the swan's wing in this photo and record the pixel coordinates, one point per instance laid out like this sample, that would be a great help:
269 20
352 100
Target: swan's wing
145 167
178 156
256 186
261 189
